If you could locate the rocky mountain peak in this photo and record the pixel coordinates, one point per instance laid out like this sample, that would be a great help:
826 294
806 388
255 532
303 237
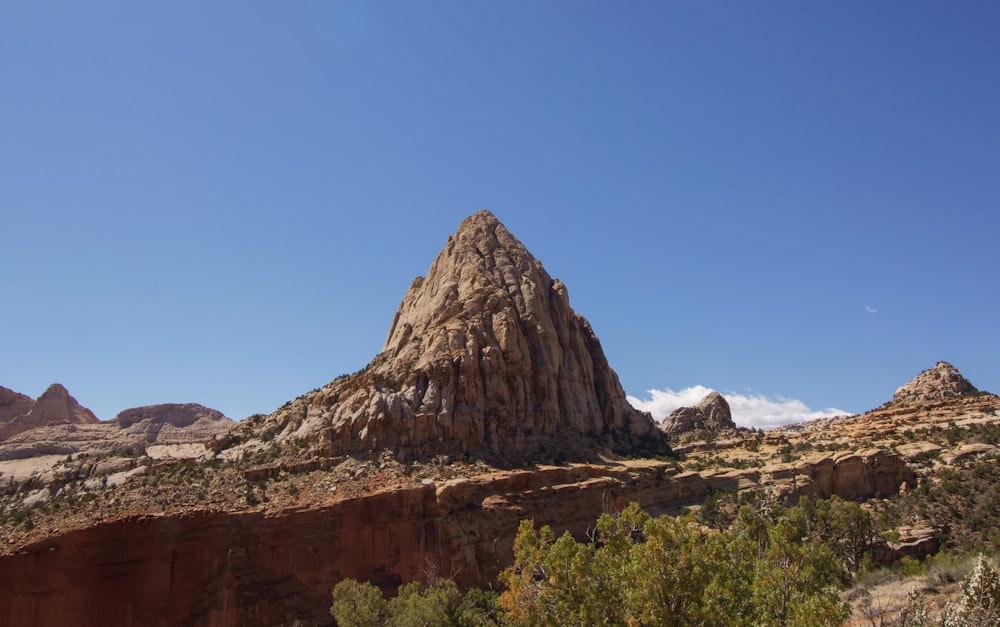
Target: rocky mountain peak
56 405
711 412
942 382
484 358
483 269
18 413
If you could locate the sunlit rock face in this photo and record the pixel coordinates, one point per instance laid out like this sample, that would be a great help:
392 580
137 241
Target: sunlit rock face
485 357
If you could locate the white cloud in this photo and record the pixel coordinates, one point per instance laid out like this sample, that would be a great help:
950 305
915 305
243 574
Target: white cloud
871 309
749 410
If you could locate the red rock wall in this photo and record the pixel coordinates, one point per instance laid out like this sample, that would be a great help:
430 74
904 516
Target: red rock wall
248 569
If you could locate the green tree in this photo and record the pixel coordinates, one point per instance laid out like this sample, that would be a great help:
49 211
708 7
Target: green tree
769 569
433 606
439 604
357 604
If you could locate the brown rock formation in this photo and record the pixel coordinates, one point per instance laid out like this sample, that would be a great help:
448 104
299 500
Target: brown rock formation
54 407
940 383
711 412
484 358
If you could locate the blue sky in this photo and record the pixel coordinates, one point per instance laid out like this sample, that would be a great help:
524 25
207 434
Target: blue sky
225 202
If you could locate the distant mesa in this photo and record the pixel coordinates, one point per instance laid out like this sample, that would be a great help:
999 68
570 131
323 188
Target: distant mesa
711 412
54 407
941 383
484 357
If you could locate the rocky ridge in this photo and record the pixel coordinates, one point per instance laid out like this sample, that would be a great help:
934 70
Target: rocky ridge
37 464
484 358
711 412
132 432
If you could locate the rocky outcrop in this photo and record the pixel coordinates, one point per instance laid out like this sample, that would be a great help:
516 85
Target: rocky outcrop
711 412
854 475
940 383
54 407
485 358
174 429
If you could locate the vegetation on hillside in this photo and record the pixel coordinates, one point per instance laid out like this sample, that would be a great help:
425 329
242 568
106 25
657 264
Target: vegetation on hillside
739 560
773 565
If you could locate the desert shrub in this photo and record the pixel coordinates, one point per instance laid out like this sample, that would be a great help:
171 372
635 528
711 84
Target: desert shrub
671 571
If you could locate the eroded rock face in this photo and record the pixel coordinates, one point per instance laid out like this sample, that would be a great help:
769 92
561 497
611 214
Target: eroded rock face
485 357
711 412
54 407
940 383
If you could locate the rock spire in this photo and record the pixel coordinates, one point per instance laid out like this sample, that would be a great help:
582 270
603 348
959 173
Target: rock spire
484 357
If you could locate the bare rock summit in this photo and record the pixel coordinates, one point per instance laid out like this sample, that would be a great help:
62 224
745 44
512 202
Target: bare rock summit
484 357
711 412
54 407
940 383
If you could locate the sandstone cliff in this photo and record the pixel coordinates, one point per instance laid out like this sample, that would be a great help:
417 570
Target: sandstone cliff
278 567
711 412
486 358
